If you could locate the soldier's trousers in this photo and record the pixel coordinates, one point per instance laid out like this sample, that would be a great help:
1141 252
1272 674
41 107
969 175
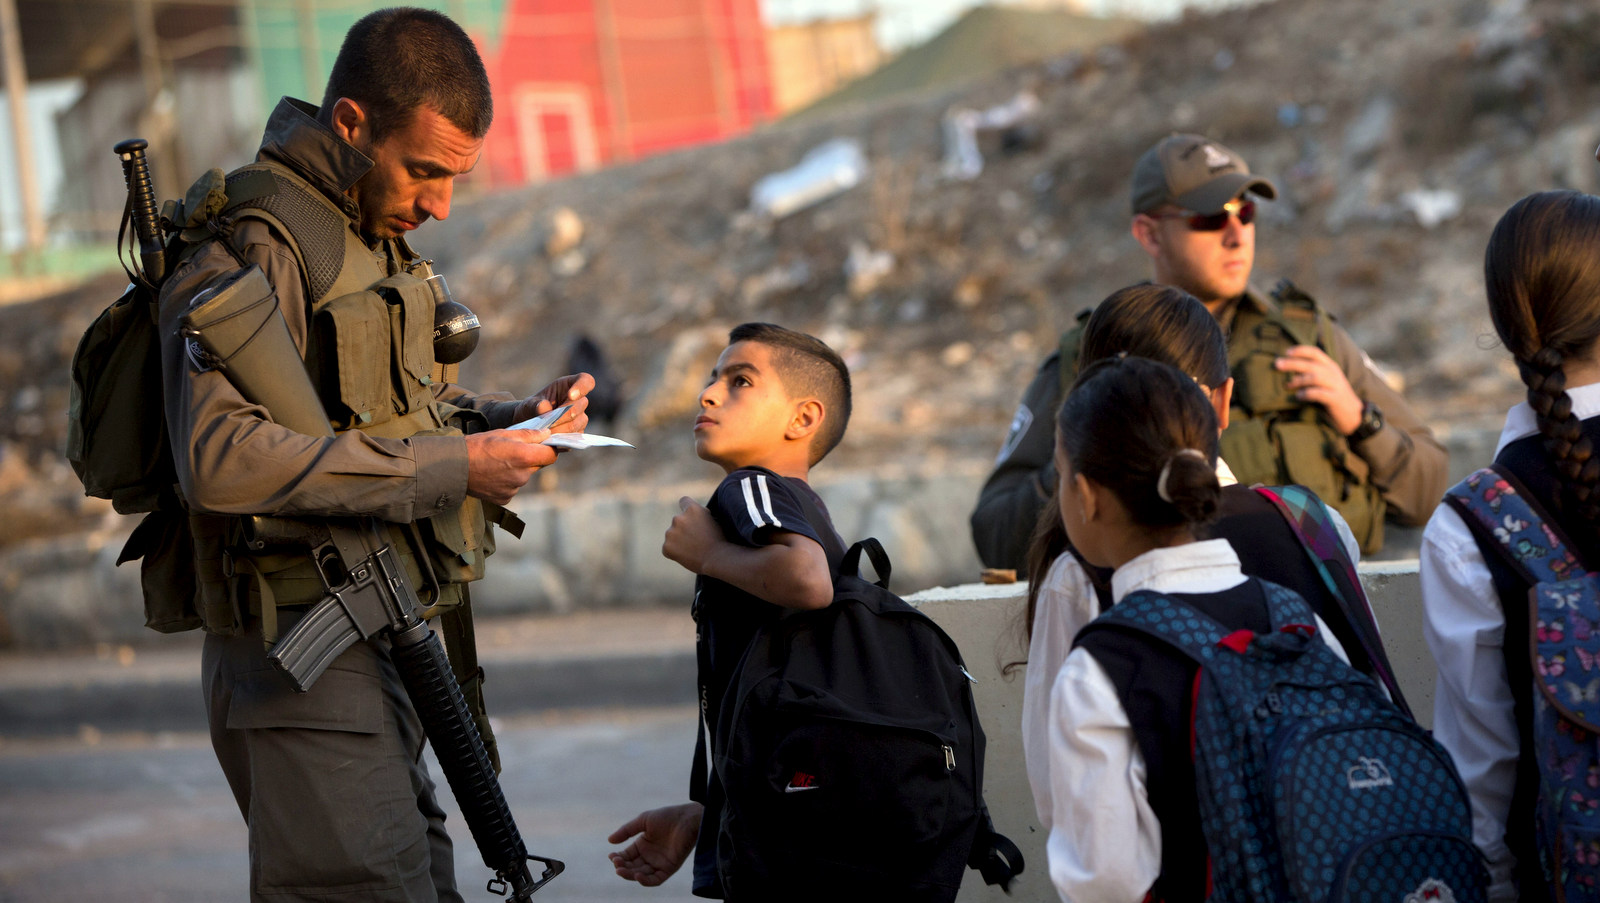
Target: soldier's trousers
331 782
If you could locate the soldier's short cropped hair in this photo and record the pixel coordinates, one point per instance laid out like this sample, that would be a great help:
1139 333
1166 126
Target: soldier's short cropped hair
396 61
808 368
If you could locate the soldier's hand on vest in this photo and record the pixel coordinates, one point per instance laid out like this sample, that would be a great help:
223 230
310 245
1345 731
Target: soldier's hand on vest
1316 378
570 390
500 462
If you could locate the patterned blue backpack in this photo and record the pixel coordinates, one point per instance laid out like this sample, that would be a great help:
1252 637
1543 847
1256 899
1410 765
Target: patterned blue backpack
1564 607
1312 785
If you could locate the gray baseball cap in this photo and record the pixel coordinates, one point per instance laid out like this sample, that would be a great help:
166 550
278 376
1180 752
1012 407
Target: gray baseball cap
1195 173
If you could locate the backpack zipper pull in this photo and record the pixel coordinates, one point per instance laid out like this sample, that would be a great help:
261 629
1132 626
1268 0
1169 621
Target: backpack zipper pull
949 758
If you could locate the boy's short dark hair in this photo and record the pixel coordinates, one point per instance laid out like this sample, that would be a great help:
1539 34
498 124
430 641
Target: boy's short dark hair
807 367
396 61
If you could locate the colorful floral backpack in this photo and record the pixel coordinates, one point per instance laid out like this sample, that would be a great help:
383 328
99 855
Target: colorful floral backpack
1564 607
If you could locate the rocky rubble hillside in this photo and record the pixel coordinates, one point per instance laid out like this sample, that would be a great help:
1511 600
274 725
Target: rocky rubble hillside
1396 130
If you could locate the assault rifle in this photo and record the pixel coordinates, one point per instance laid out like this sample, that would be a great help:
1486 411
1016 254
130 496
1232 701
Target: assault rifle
240 330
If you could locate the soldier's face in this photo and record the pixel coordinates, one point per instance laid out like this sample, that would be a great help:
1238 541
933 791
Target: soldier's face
1212 266
413 173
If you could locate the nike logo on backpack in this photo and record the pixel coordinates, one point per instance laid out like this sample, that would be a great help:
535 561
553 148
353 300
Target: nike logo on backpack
801 781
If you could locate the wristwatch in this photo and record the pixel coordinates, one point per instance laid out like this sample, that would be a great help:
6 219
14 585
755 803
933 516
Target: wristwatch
1371 422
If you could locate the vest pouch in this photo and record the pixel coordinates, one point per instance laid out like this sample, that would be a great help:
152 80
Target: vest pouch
218 592
1250 452
292 577
1316 457
163 546
411 332
458 542
1260 388
1309 453
116 427
356 326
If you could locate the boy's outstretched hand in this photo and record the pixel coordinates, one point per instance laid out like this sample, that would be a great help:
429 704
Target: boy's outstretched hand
694 532
665 838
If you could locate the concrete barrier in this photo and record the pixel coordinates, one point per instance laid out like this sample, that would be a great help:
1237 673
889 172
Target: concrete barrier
987 623
583 551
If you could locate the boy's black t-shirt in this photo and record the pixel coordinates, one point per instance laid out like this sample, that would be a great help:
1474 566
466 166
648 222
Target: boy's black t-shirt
751 505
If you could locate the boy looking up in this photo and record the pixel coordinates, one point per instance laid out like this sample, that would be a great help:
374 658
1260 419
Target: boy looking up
777 403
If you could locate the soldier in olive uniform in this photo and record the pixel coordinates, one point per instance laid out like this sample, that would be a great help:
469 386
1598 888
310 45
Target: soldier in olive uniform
331 782
1308 406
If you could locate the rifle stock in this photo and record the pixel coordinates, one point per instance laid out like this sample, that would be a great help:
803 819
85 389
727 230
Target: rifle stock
367 591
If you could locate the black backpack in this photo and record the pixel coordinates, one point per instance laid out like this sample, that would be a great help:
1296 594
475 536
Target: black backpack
852 757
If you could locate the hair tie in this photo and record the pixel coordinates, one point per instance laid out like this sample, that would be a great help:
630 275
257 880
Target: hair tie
1166 470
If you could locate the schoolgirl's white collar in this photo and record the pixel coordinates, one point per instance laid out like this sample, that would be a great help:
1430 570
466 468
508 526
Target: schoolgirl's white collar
1207 566
1224 473
1521 421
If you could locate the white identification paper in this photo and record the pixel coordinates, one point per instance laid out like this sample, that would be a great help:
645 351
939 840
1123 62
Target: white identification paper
542 421
566 440
583 440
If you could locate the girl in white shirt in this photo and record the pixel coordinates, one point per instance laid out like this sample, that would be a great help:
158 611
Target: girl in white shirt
1542 278
1169 325
1132 492
1161 323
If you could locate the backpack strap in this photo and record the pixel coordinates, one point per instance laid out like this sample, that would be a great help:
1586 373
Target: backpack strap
850 565
1313 526
995 857
1195 633
311 225
1497 507
1563 599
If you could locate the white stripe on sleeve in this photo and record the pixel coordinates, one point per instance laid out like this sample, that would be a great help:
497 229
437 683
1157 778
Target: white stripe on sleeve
750 503
766 500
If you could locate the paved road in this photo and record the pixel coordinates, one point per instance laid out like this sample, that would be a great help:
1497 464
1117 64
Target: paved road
142 818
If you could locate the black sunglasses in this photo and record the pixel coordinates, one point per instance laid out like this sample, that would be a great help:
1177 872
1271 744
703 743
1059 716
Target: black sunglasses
1214 222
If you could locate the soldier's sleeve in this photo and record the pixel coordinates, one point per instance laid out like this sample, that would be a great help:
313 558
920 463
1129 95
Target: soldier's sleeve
1024 475
1408 465
499 408
233 459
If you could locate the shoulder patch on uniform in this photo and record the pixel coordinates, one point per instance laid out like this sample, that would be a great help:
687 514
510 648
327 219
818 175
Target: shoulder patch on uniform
1020 421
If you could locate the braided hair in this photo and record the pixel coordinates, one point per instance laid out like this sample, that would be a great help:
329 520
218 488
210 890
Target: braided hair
1542 276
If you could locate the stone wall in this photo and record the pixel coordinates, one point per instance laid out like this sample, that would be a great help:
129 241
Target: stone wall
596 550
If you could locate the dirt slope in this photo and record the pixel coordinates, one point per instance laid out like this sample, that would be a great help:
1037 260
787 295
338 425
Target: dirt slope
1365 112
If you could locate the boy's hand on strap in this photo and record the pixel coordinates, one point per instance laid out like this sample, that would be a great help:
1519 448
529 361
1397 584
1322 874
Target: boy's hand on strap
694 532
665 838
